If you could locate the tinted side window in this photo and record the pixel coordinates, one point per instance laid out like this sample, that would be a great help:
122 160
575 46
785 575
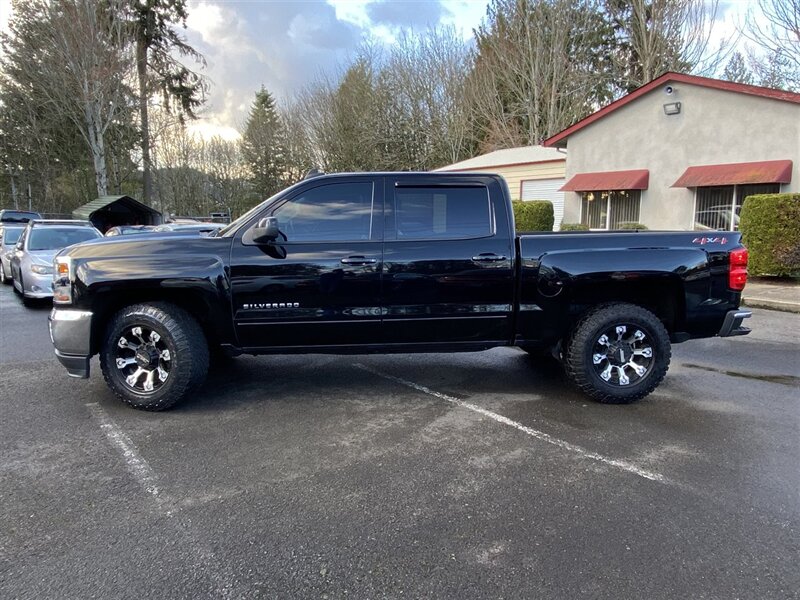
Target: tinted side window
442 212
332 212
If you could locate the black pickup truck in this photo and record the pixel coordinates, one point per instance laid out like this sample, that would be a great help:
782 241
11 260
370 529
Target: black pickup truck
391 262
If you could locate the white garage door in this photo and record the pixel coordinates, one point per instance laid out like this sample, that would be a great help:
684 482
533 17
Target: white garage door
546 189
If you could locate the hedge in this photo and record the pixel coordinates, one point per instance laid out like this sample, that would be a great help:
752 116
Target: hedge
632 226
533 215
574 227
770 226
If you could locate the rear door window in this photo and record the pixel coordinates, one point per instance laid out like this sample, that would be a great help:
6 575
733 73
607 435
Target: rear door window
442 213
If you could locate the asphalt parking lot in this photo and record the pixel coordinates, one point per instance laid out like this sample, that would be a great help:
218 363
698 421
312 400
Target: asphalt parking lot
421 476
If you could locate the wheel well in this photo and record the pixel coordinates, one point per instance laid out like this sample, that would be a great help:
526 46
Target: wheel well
105 306
664 298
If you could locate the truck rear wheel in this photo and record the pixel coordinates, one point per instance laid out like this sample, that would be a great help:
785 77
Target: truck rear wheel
618 353
153 355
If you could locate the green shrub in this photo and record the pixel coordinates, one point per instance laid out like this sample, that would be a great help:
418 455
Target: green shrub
574 227
632 226
770 226
533 215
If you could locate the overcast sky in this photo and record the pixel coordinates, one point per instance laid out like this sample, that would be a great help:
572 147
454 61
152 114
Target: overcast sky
283 44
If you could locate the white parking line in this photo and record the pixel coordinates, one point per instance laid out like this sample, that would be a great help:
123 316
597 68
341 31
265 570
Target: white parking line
137 465
539 435
197 551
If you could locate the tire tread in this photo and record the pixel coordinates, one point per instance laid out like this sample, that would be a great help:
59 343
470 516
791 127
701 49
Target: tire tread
575 360
187 335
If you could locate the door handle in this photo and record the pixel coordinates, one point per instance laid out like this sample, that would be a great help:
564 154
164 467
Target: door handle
488 258
358 260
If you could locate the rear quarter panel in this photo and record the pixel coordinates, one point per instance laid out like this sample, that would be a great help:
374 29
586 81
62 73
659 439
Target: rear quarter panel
682 277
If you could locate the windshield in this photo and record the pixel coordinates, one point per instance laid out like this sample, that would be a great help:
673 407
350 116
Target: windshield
55 238
11 235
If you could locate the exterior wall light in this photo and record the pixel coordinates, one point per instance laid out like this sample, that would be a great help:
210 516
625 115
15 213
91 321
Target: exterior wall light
672 108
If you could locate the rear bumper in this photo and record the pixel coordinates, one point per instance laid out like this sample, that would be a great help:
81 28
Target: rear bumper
70 332
732 325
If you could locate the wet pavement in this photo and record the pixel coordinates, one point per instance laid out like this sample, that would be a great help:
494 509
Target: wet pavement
480 475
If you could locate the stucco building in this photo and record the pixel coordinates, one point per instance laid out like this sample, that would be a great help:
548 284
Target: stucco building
681 152
532 173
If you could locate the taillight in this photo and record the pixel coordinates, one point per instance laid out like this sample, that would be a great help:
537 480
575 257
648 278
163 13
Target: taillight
737 269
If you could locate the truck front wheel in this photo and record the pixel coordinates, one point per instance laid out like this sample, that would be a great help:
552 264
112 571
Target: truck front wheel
618 353
153 355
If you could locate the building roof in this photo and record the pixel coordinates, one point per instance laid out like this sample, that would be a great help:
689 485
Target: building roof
767 171
637 179
506 158
86 211
559 140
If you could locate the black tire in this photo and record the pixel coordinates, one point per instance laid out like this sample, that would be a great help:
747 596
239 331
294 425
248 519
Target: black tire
185 362
14 287
605 380
4 279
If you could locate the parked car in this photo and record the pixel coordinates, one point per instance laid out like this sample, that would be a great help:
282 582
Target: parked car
716 218
9 234
319 268
129 230
40 241
18 216
201 228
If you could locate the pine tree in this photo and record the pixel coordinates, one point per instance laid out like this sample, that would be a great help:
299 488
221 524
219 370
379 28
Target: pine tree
264 145
736 70
158 69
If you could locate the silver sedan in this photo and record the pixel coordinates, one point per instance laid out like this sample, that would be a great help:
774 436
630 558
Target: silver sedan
32 260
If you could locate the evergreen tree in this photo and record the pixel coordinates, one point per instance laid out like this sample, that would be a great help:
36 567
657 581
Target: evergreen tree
736 70
264 145
777 71
158 69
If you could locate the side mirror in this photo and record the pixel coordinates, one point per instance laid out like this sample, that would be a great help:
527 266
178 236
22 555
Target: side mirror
266 230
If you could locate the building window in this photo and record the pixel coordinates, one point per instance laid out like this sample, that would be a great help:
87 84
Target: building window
718 207
610 209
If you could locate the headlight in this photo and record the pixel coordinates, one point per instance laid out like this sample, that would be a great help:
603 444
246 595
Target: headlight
42 269
62 280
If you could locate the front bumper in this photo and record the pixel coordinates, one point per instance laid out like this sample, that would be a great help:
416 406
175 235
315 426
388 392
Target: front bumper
37 286
71 334
732 325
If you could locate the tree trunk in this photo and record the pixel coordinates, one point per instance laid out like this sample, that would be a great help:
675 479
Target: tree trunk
97 144
13 182
141 69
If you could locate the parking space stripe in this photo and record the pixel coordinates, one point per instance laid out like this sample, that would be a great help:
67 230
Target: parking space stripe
138 466
535 433
197 551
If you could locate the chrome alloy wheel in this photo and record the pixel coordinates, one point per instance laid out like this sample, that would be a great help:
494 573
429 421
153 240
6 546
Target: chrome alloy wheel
622 355
143 358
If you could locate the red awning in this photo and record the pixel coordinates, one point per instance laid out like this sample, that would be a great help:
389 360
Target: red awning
607 181
768 171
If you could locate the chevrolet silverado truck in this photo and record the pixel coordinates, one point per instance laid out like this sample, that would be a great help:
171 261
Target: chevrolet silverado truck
387 263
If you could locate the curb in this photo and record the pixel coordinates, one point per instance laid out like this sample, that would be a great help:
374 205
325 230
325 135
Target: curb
781 305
